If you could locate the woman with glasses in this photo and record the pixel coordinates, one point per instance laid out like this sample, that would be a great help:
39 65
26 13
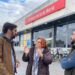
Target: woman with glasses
38 58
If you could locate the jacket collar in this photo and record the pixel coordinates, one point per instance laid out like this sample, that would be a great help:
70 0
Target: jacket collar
7 39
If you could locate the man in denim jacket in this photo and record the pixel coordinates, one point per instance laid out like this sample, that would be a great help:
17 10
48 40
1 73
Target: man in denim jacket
68 63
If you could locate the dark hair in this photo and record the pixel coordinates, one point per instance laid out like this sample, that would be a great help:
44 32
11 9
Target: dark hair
8 26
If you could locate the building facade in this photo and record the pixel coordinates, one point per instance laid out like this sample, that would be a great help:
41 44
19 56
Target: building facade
55 21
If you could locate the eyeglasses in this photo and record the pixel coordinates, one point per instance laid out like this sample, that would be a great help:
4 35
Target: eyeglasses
39 41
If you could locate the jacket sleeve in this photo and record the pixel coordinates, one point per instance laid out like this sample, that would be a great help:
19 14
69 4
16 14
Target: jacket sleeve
68 62
1 47
25 57
47 58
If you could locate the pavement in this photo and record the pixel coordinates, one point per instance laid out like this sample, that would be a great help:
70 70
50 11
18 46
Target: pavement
54 68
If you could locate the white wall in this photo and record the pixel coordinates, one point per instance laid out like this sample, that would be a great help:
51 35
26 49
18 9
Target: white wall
69 9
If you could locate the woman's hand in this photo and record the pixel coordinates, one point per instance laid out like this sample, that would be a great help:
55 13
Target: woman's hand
39 50
26 50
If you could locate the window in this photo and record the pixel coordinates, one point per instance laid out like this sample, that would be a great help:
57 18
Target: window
61 36
47 34
71 28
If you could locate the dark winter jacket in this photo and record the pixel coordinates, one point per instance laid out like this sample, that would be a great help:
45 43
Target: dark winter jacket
43 66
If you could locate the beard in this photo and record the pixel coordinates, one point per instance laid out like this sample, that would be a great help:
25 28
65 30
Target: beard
73 44
13 37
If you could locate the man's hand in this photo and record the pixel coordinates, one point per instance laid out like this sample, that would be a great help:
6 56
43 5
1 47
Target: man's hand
17 63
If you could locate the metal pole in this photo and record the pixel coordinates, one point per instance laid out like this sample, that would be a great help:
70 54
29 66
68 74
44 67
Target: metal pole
67 36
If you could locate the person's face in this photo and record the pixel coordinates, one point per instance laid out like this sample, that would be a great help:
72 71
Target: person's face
43 44
73 36
13 33
39 43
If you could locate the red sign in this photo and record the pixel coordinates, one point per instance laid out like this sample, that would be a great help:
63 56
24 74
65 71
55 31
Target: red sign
59 4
